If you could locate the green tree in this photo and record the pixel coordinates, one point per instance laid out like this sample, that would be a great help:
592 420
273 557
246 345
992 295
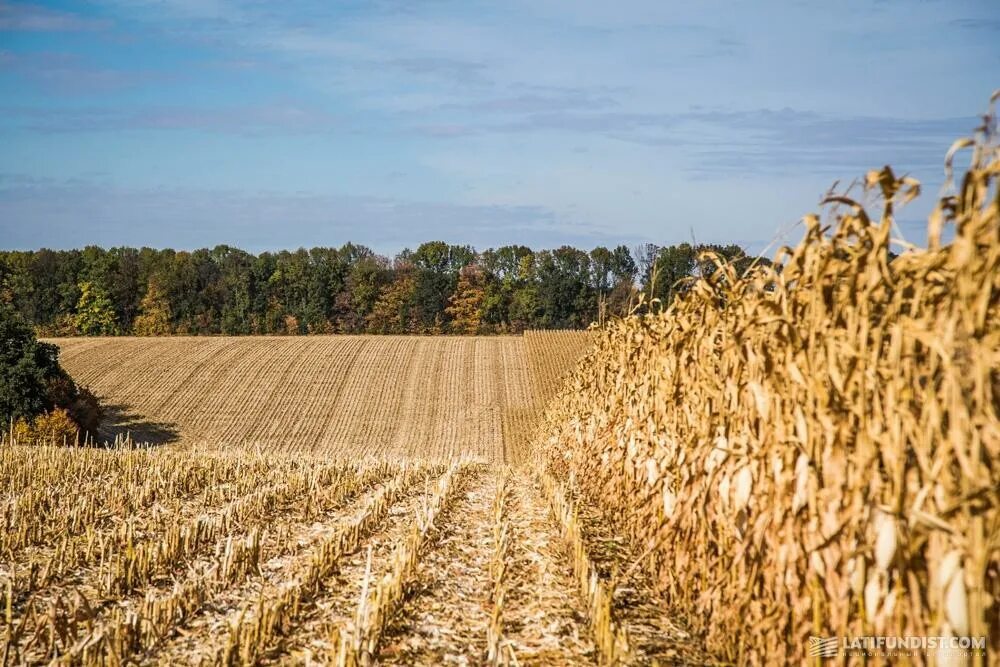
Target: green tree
675 264
26 366
564 293
95 315
32 382
437 266
367 276
672 266
506 270
154 317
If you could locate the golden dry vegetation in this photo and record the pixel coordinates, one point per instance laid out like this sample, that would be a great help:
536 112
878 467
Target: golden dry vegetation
247 556
811 448
277 533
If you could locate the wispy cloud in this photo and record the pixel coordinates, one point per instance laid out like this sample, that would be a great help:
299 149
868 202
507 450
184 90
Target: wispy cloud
264 220
287 118
16 16
754 142
559 112
452 69
69 74
555 100
989 25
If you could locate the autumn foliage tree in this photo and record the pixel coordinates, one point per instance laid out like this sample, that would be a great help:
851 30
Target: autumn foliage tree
350 289
154 317
394 310
465 307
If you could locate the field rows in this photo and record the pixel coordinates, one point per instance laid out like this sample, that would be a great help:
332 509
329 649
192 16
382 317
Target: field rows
400 397
299 560
329 500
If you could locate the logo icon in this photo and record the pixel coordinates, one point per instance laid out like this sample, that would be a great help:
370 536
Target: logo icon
823 647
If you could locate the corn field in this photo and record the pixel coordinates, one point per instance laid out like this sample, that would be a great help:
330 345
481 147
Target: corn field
813 448
305 550
806 450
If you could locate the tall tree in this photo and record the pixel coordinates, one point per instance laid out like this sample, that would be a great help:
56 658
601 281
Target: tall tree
465 307
125 289
95 315
506 270
393 311
154 317
367 276
645 259
564 293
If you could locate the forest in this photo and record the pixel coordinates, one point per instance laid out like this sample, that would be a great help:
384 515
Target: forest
437 288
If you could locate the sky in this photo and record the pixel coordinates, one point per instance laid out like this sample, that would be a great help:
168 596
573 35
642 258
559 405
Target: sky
267 125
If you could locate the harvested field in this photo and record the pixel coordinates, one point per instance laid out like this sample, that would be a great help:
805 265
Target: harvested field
386 396
240 556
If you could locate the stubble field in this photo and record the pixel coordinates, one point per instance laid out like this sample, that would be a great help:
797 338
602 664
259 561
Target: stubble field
394 397
341 500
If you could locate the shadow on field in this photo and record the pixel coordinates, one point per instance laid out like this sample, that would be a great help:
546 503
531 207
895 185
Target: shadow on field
120 421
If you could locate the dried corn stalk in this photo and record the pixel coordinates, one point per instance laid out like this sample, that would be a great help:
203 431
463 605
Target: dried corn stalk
812 448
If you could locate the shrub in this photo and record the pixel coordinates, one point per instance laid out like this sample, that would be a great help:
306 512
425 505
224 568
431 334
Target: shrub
26 366
63 325
86 411
21 431
54 428
78 401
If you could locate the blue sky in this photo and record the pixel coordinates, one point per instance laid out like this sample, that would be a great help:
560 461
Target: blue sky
265 125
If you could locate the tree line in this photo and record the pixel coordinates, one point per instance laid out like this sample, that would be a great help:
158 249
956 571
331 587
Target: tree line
437 288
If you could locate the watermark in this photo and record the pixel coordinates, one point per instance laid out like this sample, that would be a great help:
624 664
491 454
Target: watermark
896 646
824 647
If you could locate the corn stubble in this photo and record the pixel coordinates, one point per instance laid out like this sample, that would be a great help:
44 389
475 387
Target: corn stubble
813 448
117 555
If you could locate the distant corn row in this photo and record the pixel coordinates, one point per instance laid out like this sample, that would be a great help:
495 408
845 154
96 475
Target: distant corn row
549 357
813 449
552 354
397 396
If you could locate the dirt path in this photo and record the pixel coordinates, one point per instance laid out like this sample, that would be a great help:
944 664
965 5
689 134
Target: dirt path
544 621
654 636
445 620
